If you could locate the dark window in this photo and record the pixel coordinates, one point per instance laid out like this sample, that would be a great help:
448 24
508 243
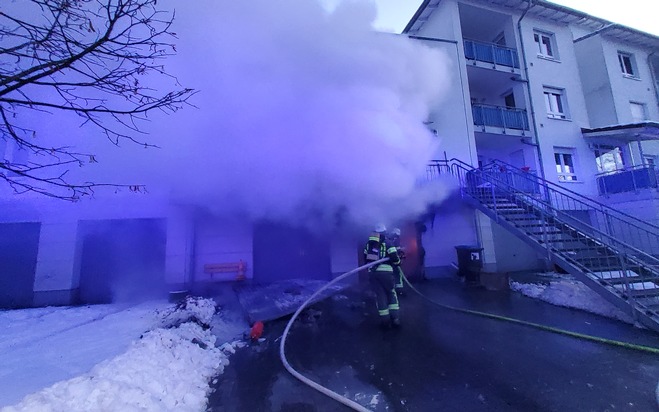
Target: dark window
510 100
626 63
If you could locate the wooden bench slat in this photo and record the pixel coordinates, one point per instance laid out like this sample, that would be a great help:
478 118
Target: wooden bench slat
239 267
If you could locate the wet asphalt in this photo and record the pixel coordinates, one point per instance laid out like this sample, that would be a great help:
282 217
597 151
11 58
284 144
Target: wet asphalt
443 360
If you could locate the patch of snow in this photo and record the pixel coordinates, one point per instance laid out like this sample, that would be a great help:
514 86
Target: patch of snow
570 293
192 308
167 368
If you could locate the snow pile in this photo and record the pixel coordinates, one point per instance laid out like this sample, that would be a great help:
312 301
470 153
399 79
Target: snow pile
191 309
168 369
570 293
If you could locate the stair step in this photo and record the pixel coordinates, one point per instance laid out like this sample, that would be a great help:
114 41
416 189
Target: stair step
567 240
543 230
599 261
645 292
653 308
636 282
586 251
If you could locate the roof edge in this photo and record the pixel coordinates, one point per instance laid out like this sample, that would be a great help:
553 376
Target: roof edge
415 17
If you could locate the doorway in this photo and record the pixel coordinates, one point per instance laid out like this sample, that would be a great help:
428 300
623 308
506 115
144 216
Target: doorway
283 252
122 260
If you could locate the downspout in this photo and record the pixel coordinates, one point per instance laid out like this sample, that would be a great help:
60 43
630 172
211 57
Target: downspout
528 87
654 76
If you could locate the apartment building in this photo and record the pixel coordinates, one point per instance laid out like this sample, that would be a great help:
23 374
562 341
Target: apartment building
562 94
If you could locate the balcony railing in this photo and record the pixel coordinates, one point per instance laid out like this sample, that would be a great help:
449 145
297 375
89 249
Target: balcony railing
491 53
629 179
498 116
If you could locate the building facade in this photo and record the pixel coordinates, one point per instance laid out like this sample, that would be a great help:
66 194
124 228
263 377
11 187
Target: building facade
570 97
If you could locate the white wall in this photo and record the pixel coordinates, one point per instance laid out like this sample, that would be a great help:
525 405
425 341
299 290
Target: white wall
452 117
626 89
453 225
595 80
563 74
221 240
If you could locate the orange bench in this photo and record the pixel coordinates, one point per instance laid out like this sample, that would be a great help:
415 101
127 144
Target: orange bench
240 268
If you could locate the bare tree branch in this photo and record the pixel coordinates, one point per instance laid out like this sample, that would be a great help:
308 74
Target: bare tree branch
88 57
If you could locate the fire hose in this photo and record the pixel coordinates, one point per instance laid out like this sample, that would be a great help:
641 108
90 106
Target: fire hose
357 407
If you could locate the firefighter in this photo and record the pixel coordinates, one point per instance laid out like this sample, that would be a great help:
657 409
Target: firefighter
394 240
381 276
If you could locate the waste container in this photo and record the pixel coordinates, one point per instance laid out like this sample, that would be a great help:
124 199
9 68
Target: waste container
470 263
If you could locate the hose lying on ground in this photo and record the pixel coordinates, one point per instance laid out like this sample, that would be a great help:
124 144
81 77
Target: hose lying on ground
326 391
537 325
355 406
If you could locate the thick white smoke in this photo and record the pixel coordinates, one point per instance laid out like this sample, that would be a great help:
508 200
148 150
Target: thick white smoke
303 114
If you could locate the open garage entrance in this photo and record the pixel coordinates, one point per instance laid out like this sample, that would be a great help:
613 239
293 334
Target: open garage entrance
19 245
282 252
122 260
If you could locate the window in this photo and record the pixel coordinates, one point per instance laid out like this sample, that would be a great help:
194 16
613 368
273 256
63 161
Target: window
627 64
639 113
500 40
545 43
609 159
649 161
509 100
555 103
565 165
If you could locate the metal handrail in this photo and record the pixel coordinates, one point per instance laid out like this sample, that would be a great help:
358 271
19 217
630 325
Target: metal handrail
582 198
630 229
558 212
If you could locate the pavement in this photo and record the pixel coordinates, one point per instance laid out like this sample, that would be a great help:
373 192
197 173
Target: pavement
442 359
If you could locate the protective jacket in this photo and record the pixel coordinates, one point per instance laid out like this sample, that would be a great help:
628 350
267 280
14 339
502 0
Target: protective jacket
376 248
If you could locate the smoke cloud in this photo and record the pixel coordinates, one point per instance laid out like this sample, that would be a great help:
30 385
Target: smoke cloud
303 115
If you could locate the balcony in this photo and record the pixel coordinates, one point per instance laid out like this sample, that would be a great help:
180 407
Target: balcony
491 53
498 117
627 180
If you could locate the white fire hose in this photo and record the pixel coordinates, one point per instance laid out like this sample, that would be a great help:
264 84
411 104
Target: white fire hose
339 398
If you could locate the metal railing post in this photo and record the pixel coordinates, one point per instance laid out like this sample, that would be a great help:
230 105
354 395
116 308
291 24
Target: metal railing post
630 294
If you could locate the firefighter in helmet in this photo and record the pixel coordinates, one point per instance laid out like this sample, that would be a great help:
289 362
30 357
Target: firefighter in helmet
381 276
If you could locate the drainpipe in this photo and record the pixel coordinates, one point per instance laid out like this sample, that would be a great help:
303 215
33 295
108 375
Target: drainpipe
528 87
654 76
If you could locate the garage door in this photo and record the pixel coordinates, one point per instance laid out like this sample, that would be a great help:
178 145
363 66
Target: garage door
19 244
283 252
122 260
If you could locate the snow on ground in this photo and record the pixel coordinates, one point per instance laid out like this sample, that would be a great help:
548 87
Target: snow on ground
562 290
155 356
149 357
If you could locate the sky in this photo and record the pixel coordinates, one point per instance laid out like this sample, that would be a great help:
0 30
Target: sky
393 15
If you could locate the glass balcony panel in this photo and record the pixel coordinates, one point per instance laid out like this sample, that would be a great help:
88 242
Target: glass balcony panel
629 180
491 53
498 116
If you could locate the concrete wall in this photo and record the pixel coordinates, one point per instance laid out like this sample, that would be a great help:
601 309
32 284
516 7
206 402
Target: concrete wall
221 240
562 73
597 90
452 117
453 225
625 89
